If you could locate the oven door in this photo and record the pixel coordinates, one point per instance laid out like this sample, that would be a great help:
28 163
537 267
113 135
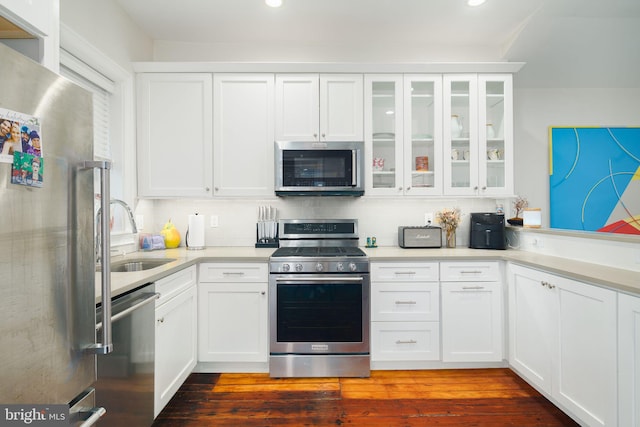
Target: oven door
304 168
319 314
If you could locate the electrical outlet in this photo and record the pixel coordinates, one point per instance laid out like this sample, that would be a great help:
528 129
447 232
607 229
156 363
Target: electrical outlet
537 241
428 218
214 221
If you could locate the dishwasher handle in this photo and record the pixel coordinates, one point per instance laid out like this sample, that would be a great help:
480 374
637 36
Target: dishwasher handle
148 298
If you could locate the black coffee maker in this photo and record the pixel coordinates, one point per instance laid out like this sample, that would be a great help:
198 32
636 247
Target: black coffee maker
487 231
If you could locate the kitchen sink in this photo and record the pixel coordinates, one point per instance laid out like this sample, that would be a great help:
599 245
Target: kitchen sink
138 264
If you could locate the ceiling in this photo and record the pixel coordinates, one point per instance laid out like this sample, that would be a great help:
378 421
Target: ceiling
564 43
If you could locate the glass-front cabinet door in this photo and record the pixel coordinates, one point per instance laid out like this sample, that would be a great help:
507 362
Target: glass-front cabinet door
495 114
423 134
383 134
460 134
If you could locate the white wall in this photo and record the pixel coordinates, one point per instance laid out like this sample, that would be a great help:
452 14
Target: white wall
377 216
104 25
537 109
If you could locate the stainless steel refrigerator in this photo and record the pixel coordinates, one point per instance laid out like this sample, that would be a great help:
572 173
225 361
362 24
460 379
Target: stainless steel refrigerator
47 270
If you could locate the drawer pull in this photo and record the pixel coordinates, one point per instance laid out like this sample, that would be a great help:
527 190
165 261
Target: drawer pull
406 342
404 272
470 288
470 272
548 285
233 273
406 302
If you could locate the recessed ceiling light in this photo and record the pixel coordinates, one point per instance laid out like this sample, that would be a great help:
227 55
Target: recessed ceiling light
475 2
273 3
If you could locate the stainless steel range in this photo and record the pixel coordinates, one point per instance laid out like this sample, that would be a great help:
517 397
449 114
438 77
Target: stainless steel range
319 293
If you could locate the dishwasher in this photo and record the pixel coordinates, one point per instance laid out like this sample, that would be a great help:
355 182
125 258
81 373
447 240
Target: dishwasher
125 384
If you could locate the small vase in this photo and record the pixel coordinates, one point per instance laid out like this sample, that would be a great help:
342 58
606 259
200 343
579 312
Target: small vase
456 127
451 239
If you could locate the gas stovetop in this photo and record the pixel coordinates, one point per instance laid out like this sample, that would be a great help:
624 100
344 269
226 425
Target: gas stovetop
319 246
318 252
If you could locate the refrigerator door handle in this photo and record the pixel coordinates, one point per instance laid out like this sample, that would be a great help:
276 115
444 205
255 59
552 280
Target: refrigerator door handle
94 415
106 344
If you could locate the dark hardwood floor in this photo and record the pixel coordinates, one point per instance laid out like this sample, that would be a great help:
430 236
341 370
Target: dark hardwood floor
462 397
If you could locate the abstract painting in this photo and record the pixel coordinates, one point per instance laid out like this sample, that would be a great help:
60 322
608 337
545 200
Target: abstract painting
595 179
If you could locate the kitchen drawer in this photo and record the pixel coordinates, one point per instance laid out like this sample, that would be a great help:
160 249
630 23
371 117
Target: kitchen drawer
473 271
234 272
403 341
417 302
405 272
172 285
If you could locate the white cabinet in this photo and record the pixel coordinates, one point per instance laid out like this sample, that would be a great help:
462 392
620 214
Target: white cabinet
319 107
403 134
39 18
176 334
174 134
628 360
405 313
478 134
562 338
472 306
243 134
232 316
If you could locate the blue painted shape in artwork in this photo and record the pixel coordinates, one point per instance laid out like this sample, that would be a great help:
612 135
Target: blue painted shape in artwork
589 170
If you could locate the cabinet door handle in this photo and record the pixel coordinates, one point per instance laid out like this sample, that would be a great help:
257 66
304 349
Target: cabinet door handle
263 293
406 342
406 302
161 320
469 288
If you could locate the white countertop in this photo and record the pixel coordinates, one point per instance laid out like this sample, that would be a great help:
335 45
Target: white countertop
614 278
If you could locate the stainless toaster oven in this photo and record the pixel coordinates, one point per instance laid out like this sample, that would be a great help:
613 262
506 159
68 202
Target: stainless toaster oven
420 237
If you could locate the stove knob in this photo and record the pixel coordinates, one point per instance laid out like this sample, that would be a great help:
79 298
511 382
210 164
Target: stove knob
286 267
340 266
298 267
319 267
353 266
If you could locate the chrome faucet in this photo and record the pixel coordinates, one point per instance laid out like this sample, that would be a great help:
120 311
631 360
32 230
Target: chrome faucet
132 221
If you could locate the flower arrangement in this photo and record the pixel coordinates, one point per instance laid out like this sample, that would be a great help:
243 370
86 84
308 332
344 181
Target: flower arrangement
449 219
519 205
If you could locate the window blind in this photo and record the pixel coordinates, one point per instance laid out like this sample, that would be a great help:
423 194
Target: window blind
101 88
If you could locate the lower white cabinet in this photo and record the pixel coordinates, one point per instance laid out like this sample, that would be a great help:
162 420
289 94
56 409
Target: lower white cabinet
175 333
233 314
472 306
562 339
405 314
628 360
472 322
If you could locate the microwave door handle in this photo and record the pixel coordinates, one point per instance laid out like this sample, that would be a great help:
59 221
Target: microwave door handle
353 168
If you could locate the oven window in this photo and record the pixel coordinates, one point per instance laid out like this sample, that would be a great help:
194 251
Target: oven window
319 313
314 168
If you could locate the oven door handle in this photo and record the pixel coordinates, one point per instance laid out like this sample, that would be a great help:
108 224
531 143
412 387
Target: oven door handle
289 281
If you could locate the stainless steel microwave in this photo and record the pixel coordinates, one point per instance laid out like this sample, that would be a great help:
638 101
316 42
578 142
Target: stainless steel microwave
319 168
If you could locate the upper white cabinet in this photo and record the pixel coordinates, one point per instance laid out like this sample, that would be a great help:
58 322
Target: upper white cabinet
319 107
403 134
478 134
562 338
175 134
243 134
